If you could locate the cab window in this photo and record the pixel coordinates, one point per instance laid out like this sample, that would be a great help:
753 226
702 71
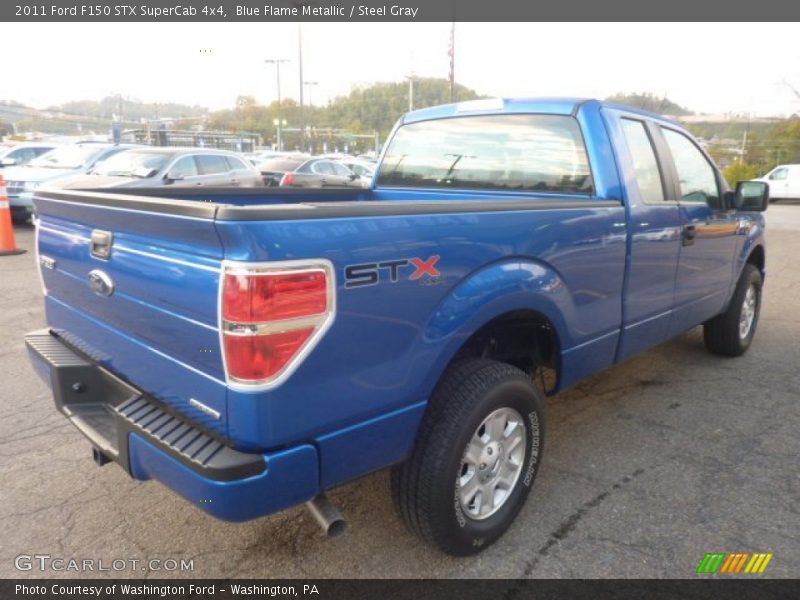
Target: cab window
521 152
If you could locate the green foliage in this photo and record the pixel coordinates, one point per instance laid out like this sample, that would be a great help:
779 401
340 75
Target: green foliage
365 110
739 171
777 144
131 109
650 102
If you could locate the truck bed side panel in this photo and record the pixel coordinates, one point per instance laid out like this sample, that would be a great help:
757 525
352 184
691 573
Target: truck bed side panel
379 354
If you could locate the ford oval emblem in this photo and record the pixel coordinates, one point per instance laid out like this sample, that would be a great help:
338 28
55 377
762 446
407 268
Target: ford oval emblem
101 283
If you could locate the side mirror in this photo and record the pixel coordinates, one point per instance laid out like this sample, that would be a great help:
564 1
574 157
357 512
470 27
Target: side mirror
8 162
173 176
354 176
751 196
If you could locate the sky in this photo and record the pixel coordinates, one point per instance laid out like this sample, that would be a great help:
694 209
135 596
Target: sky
707 67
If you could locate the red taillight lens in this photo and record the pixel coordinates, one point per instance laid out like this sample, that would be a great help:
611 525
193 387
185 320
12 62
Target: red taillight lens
287 179
269 316
259 357
272 297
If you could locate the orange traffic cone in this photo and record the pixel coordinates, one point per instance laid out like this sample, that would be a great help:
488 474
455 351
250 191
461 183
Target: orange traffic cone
7 243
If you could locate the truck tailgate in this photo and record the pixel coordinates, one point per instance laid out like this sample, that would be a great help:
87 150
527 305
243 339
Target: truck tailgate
147 312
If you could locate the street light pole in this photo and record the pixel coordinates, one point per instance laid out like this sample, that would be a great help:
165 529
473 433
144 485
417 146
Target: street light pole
310 97
277 62
410 78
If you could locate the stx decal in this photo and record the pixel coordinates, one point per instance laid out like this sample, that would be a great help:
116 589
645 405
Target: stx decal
393 270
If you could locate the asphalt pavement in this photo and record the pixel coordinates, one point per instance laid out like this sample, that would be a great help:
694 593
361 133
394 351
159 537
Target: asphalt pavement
647 467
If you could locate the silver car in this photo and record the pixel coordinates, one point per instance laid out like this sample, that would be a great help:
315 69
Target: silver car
60 163
179 167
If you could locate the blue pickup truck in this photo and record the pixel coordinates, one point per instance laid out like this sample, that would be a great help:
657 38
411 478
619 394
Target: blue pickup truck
251 349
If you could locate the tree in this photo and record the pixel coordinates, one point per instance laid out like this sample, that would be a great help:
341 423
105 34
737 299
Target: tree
650 102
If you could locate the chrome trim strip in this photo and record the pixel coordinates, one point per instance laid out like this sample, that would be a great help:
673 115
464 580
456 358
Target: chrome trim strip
204 408
282 326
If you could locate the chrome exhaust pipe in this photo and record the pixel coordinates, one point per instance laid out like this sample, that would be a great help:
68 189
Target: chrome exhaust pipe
327 515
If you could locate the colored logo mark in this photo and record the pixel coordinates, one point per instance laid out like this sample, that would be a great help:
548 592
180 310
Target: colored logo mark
734 563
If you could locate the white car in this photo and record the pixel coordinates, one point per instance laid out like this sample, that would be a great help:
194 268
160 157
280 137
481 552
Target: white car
18 154
784 182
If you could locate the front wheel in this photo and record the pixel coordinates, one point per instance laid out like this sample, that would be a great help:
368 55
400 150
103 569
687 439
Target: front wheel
475 459
731 333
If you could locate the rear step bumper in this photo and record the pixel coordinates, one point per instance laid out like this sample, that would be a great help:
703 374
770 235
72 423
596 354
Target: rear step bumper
126 426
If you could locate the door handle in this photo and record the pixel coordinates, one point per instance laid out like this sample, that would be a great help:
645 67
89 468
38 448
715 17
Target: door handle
689 233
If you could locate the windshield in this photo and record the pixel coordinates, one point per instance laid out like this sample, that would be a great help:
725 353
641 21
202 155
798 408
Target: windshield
132 164
67 157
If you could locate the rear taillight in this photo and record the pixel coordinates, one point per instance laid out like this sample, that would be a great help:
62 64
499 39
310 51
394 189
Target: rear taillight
287 179
271 316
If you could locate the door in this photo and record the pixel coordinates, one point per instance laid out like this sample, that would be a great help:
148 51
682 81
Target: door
324 169
708 235
793 184
778 181
653 231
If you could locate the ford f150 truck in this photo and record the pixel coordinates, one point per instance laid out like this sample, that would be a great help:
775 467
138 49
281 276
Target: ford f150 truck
251 349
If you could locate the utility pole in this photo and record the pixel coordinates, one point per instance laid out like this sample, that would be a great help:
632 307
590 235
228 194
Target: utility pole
300 70
277 62
410 78
452 54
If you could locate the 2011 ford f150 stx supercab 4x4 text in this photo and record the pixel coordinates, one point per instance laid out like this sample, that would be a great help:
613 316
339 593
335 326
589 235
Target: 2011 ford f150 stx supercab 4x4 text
251 349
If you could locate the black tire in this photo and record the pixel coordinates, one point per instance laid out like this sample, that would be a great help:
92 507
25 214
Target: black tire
426 488
722 333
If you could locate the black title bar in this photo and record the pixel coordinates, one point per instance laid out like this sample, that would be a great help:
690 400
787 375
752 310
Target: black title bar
745 588
401 10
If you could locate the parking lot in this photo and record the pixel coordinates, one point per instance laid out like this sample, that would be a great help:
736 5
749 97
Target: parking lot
647 467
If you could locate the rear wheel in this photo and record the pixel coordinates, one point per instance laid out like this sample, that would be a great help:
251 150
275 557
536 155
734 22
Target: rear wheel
475 459
731 333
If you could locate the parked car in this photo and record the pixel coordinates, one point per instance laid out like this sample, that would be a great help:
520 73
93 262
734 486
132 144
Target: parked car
321 172
18 154
50 167
155 167
274 168
268 347
784 182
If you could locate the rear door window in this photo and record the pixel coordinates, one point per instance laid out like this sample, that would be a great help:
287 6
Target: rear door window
341 170
322 167
645 164
211 164
234 164
528 153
